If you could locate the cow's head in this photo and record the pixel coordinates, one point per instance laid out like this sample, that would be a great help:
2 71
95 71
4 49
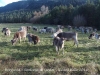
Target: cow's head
3 30
91 36
35 39
13 41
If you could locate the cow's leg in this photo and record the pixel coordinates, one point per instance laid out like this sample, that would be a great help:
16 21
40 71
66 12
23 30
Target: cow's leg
63 50
76 42
19 39
24 39
9 34
57 50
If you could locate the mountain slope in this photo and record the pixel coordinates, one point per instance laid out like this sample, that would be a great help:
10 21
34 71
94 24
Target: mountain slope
34 5
14 6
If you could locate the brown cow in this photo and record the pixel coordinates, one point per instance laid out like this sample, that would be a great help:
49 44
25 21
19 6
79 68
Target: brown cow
18 36
33 38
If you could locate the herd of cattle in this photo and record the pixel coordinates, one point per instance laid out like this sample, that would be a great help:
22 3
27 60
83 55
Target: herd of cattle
58 35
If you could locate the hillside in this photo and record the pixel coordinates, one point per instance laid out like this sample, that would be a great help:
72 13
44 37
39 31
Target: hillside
61 12
33 5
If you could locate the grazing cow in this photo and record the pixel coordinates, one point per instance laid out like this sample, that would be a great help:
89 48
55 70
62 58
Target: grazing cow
76 28
69 36
59 44
97 36
85 29
69 28
90 29
81 29
6 31
3 29
94 35
28 28
91 35
95 30
60 26
35 28
42 31
18 36
33 38
50 30
45 27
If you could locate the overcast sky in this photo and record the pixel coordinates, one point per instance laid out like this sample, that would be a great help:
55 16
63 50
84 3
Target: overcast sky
5 2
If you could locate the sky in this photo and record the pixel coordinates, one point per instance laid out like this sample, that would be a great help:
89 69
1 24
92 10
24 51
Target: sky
5 2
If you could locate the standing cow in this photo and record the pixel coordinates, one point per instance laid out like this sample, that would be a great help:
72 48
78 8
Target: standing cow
69 36
59 44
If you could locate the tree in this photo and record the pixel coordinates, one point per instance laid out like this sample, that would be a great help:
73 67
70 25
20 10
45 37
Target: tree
88 11
37 15
79 20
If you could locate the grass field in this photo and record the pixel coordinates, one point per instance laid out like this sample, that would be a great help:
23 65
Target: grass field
42 59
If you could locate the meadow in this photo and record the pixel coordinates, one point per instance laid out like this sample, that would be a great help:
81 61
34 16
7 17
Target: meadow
42 59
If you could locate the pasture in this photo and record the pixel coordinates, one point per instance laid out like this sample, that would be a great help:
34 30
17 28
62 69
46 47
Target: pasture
42 59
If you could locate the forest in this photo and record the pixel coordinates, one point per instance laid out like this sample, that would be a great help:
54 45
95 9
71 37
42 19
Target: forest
64 12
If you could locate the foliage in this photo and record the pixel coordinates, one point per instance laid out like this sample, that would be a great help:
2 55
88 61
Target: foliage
60 12
79 20
65 15
37 15
16 16
60 15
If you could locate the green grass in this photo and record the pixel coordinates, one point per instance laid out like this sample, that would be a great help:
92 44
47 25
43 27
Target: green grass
44 56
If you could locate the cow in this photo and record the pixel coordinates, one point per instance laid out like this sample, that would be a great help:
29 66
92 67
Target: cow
59 44
35 28
45 27
33 38
69 28
23 28
60 26
91 36
28 27
69 36
6 31
50 30
57 32
95 30
18 36
94 35
42 31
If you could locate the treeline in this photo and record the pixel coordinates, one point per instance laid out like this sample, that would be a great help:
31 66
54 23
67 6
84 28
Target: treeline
86 15
83 15
16 16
